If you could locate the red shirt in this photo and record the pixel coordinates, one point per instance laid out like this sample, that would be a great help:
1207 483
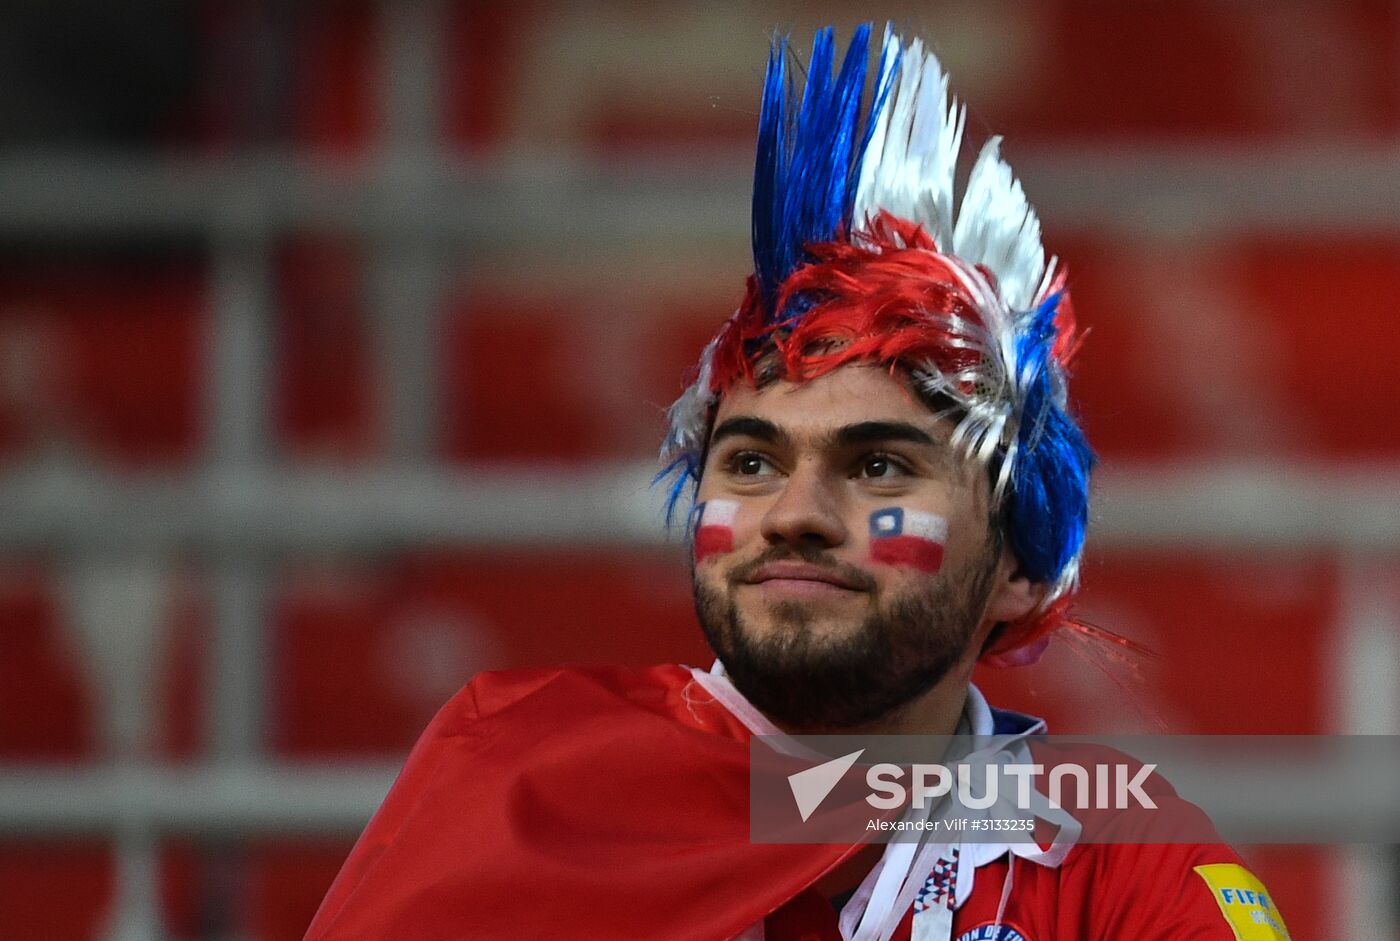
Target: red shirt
1127 891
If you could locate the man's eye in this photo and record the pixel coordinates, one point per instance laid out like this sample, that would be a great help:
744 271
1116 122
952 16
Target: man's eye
880 465
748 464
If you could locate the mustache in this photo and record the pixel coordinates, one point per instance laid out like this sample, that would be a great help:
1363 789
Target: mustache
858 577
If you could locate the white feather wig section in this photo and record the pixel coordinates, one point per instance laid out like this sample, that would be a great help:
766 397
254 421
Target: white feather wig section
986 396
997 228
909 169
689 413
909 166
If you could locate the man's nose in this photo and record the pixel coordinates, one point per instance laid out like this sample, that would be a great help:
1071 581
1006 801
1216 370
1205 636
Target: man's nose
808 511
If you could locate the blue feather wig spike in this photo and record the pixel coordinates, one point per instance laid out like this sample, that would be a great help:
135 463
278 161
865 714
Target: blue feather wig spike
1049 499
809 154
770 171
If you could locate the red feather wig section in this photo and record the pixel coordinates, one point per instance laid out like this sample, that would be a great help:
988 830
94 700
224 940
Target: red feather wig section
887 299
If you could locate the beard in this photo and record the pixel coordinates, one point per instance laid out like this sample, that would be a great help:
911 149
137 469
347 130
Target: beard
806 680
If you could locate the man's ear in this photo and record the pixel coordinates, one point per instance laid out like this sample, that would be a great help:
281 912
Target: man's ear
1013 595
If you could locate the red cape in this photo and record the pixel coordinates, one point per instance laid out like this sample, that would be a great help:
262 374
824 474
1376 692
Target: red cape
603 803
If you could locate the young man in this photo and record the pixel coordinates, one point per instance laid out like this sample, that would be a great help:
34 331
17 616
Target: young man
888 488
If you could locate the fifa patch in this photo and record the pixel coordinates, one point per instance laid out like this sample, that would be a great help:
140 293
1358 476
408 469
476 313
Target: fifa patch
1244 902
908 537
712 523
1002 932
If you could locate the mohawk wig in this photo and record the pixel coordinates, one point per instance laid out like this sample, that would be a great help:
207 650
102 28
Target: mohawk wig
860 257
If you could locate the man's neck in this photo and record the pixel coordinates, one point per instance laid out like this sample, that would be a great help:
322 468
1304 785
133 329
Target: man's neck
938 711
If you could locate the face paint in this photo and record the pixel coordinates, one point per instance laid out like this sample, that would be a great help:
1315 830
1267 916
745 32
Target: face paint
713 525
908 537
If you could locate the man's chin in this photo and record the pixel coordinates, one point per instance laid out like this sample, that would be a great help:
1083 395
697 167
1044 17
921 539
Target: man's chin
815 624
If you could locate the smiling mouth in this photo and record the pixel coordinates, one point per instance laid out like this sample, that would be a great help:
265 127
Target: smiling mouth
802 588
802 578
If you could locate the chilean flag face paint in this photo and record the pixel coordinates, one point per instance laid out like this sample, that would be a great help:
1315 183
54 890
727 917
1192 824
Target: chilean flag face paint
713 524
908 537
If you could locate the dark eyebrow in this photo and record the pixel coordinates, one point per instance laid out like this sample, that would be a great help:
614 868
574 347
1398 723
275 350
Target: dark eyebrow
871 432
746 426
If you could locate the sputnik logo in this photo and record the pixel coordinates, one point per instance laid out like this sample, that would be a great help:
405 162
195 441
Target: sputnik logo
810 787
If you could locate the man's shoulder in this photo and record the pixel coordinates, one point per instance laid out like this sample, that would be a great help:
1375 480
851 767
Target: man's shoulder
1107 862
1205 887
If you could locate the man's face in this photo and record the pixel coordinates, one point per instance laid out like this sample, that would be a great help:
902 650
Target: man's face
843 561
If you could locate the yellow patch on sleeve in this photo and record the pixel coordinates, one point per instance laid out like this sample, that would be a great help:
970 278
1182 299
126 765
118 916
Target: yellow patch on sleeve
1245 903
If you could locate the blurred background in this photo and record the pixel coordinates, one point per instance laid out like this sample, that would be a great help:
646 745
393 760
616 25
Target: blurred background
335 339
